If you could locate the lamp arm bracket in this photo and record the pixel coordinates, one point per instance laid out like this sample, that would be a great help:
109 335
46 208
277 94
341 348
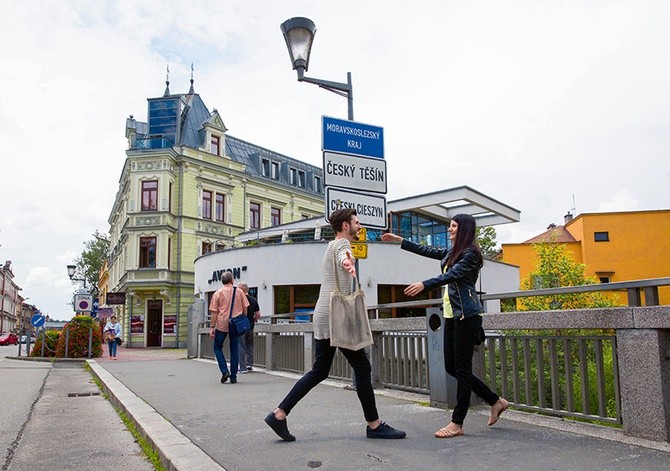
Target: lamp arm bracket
342 89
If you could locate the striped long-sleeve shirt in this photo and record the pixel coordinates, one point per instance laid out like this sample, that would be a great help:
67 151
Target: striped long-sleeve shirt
337 250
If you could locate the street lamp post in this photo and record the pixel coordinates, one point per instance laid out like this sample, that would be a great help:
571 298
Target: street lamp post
71 271
299 35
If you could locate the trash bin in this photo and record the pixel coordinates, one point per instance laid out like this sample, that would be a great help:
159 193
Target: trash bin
196 316
442 386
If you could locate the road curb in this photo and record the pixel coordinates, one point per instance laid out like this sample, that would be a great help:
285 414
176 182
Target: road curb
176 451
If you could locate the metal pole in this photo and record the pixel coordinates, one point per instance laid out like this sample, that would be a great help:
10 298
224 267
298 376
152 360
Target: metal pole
44 339
90 340
350 98
67 339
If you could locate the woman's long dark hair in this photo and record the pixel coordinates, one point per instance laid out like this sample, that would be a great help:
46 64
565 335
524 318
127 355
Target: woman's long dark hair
465 239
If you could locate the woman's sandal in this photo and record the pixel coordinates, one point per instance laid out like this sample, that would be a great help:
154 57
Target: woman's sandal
446 433
494 418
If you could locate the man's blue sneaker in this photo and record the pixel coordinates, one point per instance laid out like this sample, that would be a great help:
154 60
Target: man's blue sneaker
384 431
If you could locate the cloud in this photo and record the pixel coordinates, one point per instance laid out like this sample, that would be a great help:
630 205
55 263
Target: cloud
622 200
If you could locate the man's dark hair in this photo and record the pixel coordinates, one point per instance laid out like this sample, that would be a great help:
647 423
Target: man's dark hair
339 217
227 278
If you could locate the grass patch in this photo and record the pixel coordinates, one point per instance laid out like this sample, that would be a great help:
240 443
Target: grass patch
146 447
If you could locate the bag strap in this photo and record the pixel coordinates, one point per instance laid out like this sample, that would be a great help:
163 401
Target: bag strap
232 303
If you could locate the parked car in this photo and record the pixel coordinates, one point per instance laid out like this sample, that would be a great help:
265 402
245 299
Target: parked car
9 338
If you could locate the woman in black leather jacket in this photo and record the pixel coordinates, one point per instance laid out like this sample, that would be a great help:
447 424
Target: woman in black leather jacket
460 267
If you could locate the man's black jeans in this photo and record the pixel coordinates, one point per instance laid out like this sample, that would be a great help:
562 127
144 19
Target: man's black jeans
459 346
324 355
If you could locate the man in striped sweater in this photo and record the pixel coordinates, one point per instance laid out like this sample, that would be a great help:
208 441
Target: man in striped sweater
338 256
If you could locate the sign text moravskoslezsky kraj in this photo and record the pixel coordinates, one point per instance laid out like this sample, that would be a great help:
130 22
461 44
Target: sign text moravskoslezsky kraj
354 170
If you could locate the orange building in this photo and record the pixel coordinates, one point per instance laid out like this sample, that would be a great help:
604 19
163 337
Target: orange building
614 246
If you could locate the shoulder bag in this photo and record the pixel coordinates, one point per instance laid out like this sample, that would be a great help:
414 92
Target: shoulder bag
239 324
348 319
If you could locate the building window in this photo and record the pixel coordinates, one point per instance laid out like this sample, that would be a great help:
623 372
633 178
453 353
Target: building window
317 184
254 215
207 204
301 179
265 167
604 279
601 236
215 145
275 170
305 216
275 216
220 207
147 252
170 198
220 247
206 247
293 176
150 196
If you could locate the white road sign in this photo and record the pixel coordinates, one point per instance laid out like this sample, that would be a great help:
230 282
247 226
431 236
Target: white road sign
371 208
354 172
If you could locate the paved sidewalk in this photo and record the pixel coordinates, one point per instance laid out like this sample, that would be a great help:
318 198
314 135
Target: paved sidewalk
55 418
199 423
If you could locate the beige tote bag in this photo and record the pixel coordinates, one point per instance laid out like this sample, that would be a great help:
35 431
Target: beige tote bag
349 323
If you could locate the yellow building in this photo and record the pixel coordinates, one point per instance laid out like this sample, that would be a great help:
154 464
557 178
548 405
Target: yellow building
188 188
614 246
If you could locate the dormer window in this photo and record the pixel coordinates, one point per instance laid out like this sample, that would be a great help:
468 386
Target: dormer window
215 145
265 167
317 184
301 179
294 176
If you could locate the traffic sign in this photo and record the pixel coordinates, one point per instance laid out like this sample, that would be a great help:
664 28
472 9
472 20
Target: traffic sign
354 172
359 250
351 137
37 320
371 208
83 302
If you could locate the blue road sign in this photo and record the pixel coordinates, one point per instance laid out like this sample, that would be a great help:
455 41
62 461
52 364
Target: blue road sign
350 137
37 320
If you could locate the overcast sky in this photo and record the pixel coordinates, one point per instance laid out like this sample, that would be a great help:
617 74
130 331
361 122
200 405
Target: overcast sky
528 102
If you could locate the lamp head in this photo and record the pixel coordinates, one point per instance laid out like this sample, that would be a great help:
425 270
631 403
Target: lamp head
299 35
70 270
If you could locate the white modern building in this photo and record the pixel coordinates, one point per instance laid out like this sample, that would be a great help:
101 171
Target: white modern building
282 264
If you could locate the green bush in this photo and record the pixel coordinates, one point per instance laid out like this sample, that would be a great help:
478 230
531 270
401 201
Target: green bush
50 341
78 331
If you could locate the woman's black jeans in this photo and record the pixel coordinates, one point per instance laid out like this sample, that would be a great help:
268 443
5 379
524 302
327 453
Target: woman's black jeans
324 355
459 346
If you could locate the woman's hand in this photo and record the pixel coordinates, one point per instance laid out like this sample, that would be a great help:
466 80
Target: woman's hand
414 289
390 237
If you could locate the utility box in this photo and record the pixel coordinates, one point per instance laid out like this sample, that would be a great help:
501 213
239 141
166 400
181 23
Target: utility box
196 316
442 386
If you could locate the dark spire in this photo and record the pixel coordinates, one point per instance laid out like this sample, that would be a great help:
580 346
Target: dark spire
167 82
191 91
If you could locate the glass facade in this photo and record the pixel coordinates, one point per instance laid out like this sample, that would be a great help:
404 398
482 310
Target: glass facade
163 118
418 228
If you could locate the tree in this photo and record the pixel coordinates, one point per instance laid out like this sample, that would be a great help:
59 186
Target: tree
486 239
555 268
91 260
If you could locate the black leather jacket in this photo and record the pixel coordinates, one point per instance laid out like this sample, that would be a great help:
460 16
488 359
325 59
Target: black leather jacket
461 277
